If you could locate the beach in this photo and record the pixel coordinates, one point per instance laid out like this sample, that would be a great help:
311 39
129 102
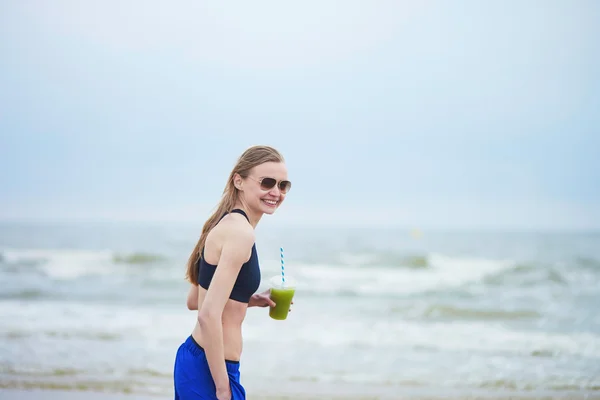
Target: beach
333 393
99 312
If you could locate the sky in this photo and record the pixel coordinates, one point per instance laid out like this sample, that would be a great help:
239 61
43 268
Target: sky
429 114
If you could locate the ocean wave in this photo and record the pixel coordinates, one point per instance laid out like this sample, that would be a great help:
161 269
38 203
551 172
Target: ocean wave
386 259
548 385
26 294
140 381
405 335
137 258
543 353
518 385
125 386
72 264
588 262
61 264
442 311
86 335
11 370
442 273
149 372
527 275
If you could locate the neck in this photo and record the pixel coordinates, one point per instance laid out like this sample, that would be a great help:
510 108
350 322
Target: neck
254 217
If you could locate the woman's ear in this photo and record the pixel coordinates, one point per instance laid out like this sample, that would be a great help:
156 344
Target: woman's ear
238 181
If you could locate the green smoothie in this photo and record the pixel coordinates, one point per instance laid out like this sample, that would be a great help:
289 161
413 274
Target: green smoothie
283 299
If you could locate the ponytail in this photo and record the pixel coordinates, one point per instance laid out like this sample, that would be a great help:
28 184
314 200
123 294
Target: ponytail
225 205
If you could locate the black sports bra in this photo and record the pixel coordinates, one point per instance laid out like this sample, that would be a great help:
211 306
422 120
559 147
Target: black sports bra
248 279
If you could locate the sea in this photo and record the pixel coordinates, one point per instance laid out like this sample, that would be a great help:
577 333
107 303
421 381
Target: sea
102 306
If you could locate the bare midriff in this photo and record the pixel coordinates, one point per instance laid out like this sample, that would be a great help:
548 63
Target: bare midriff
232 318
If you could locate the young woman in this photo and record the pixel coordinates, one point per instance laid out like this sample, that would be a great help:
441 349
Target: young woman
225 274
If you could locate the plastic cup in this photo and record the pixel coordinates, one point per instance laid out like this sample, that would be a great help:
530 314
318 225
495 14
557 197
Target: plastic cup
282 294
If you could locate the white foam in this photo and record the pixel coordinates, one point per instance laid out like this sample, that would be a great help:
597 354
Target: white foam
443 272
80 319
405 335
63 264
485 337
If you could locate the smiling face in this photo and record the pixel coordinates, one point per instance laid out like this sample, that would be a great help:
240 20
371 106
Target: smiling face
257 191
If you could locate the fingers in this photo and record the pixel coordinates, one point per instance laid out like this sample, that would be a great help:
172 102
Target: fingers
271 303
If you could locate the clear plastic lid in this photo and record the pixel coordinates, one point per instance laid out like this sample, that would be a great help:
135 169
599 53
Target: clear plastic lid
278 283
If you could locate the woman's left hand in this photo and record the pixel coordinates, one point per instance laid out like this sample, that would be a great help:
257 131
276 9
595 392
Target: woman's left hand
261 299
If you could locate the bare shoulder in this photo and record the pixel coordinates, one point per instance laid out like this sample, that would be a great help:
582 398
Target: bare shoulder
232 239
236 230
237 237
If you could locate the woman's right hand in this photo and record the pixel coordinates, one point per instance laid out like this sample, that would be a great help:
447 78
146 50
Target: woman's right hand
224 394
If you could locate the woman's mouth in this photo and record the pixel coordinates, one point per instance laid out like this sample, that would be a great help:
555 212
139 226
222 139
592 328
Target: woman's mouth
270 203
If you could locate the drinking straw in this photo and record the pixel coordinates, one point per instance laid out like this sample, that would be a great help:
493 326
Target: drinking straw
282 266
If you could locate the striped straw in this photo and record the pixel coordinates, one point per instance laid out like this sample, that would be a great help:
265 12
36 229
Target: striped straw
282 265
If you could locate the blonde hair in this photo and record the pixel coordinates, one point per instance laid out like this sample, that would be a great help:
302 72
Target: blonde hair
249 159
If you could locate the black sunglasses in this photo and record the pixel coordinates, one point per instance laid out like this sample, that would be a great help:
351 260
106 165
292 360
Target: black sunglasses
269 183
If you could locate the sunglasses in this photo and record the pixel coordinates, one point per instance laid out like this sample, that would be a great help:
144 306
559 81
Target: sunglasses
269 183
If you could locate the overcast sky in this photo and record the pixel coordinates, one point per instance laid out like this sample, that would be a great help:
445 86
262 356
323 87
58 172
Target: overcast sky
427 114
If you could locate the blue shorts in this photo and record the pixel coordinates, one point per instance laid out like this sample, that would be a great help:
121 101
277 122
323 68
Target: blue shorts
192 377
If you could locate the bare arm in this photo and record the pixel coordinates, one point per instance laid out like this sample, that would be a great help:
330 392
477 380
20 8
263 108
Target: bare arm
236 250
192 298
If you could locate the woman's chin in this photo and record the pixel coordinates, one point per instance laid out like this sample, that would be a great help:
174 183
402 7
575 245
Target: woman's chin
268 210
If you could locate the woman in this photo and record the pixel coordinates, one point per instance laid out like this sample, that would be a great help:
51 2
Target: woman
224 272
